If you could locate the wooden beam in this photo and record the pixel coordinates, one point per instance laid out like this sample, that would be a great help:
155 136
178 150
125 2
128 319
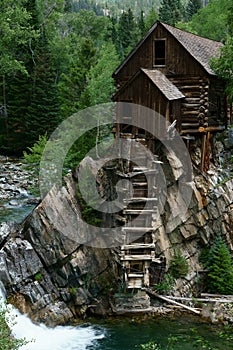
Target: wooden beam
139 199
138 246
139 211
150 292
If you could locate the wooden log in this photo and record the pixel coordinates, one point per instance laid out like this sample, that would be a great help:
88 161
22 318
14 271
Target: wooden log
190 105
202 129
190 112
208 295
189 119
192 99
189 125
191 87
150 292
204 299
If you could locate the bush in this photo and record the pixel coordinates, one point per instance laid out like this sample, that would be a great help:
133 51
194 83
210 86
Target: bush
7 341
35 152
178 266
166 284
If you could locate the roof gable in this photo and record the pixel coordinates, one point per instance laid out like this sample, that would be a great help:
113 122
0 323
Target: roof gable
201 49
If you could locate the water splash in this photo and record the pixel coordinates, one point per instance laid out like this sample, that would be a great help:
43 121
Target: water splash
45 338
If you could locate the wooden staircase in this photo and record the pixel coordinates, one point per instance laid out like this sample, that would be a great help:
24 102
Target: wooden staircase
137 254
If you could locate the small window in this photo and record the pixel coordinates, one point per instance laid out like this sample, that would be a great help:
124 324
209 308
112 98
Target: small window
159 52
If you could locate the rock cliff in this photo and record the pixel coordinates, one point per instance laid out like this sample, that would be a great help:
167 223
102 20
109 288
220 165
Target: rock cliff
55 279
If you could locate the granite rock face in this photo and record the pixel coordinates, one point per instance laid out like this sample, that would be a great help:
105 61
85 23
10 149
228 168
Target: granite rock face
50 275
54 277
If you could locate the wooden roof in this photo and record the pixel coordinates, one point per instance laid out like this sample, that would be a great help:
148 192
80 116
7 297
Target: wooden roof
201 49
170 91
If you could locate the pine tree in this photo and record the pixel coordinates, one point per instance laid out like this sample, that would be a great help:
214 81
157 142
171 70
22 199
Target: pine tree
192 8
141 24
220 268
171 11
100 82
43 114
73 83
127 34
151 18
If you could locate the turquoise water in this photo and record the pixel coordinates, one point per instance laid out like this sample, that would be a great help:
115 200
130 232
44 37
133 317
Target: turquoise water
17 214
123 334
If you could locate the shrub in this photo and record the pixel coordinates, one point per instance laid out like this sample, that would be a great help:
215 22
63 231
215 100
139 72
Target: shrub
178 266
166 284
7 341
35 152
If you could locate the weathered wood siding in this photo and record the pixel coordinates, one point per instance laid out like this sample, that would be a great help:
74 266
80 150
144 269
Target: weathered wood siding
178 60
142 91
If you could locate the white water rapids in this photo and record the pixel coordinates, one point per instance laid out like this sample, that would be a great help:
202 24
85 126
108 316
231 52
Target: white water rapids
44 338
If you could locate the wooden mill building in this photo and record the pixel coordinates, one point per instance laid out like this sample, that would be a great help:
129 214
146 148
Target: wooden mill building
169 72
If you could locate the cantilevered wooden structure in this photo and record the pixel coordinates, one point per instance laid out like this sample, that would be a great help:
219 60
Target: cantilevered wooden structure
169 72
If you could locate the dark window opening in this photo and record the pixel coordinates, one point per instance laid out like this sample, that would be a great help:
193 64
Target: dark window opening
159 52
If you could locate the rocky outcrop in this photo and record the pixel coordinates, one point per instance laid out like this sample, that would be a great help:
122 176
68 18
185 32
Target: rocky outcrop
50 274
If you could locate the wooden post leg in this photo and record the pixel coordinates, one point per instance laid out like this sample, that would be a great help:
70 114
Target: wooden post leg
203 151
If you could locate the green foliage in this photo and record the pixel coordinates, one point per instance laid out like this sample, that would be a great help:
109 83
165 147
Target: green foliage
211 21
34 153
73 83
73 290
166 285
43 114
87 205
150 346
151 18
7 341
16 33
192 8
128 33
100 84
224 65
171 11
38 276
220 268
193 339
178 266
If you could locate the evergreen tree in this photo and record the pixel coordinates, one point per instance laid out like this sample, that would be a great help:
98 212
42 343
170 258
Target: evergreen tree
127 33
16 83
171 11
100 82
141 24
43 113
224 65
220 268
151 18
73 83
192 8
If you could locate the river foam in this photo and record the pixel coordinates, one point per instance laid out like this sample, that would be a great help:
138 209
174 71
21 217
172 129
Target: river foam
45 338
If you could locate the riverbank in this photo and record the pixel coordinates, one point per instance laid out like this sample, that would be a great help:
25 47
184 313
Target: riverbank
18 183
